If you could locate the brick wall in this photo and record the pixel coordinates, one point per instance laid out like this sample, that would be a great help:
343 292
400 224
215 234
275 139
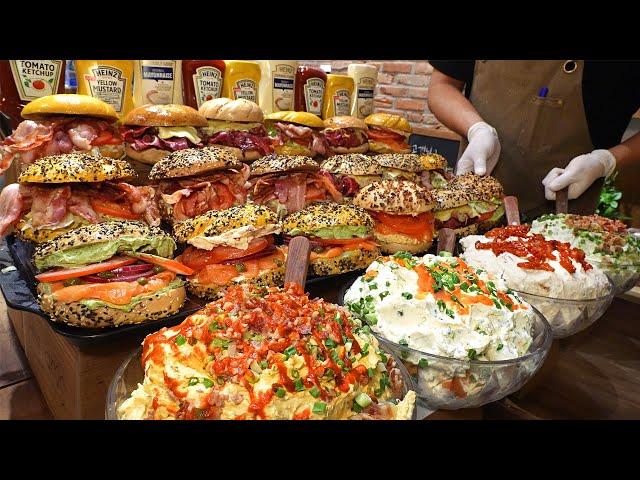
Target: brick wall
402 89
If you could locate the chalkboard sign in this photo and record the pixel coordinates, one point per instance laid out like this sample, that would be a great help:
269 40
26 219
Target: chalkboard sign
444 146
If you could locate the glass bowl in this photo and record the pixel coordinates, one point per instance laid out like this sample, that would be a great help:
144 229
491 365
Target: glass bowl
130 374
623 276
568 317
450 384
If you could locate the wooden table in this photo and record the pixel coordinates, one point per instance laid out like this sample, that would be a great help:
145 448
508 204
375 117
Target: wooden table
592 375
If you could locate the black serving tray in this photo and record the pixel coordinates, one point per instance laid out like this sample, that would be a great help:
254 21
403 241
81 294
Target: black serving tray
19 290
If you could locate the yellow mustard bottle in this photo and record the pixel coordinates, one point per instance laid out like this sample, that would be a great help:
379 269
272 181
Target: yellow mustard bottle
241 80
108 80
337 96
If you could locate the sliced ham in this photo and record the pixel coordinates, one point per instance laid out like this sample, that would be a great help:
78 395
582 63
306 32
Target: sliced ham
176 196
11 205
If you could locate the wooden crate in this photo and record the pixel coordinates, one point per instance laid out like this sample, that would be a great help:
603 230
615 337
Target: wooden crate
74 380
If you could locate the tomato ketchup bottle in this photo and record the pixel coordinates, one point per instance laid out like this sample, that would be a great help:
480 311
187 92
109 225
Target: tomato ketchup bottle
309 94
201 81
22 81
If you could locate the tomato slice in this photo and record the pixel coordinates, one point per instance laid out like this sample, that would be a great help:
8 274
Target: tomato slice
113 209
378 134
171 265
197 258
106 138
419 226
64 274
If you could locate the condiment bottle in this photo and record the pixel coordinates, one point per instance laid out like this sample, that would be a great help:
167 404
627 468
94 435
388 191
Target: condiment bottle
337 95
22 81
277 85
158 82
365 78
201 81
108 80
309 88
241 80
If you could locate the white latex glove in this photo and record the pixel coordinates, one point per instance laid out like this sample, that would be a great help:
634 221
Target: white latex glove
481 155
581 172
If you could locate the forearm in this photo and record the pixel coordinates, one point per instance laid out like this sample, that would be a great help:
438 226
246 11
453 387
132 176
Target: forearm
628 152
450 106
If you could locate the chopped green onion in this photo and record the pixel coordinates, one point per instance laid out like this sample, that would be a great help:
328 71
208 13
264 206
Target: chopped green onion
180 340
320 408
363 400
315 392
371 372
330 343
264 364
444 253
407 295
402 341
295 373
423 363
220 342
472 354
207 383
280 392
193 381
500 345
298 385
288 352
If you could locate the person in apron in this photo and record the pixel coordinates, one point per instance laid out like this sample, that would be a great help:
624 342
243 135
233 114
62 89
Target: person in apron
528 128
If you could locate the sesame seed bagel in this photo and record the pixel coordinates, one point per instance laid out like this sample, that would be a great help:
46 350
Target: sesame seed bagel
275 163
396 197
323 215
76 167
170 115
348 261
151 307
267 278
433 161
392 122
196 161
102 232
480 187
409 162
216 222
352 164
468 230
447 198
397 242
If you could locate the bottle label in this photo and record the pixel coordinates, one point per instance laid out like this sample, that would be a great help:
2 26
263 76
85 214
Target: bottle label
342 102
108 84
157 81
313 95
207 83
36 78
364 96
283 87
246 88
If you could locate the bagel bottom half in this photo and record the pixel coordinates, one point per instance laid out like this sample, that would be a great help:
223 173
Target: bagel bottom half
39 235
364 148
348 261
397 242
150 156
267 278
152 307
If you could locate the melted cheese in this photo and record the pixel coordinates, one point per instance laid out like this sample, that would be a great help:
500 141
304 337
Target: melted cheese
189 133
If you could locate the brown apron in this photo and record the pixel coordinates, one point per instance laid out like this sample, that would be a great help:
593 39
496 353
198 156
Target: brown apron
536 134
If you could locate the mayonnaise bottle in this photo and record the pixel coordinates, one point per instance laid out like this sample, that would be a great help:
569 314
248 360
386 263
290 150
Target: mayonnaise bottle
277 85
158 82
337 96
108 80
364 77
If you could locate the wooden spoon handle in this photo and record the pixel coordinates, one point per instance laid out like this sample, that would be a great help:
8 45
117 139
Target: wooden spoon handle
446 240
297 261
511 210
562 200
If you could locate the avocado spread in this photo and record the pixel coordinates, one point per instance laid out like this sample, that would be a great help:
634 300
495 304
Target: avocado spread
99 251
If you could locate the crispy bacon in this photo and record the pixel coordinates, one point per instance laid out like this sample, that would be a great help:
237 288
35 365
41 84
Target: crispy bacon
11 206
193 196
344 137
142 138
32 140
294 190
49 205
79 205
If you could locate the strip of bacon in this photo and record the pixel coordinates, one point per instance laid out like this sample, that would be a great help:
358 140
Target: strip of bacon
11 205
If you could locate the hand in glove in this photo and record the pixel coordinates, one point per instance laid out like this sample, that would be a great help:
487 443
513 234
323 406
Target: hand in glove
581 172
481 155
